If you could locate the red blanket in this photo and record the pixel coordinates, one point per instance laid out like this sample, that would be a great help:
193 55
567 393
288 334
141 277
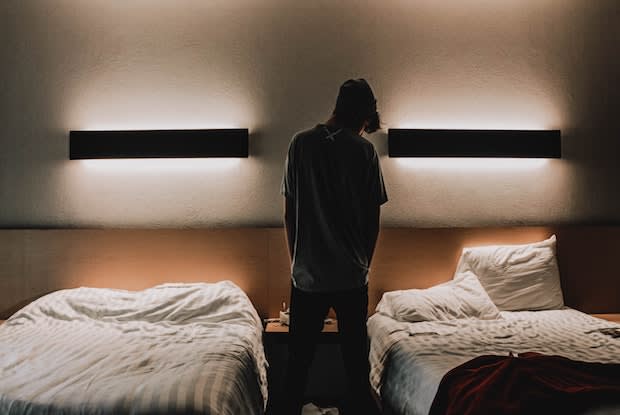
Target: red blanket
529 384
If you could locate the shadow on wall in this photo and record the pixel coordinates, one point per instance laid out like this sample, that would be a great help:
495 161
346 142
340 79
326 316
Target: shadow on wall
34 137
591 141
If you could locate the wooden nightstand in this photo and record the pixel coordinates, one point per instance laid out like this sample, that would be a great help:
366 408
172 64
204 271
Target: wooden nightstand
326 381
278 333
610 317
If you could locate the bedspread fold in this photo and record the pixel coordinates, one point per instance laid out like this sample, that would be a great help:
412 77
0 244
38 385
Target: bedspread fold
529 383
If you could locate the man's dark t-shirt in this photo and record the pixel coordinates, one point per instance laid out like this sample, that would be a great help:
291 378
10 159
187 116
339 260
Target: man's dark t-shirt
334 179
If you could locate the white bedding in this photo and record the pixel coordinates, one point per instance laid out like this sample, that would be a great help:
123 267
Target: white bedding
174 348
422 353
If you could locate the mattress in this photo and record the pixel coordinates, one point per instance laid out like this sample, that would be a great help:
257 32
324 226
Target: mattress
170 349
408 360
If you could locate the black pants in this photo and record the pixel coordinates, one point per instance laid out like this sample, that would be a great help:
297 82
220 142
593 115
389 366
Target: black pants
308 311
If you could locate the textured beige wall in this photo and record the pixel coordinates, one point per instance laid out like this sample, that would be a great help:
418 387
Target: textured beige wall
274 66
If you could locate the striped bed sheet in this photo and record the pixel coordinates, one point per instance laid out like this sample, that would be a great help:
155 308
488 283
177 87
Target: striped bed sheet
409 360
170 349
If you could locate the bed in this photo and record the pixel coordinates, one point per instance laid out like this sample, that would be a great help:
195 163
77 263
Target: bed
503 303
409 360
170 349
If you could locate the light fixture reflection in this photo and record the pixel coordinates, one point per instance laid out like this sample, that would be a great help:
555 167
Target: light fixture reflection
161 164
457 164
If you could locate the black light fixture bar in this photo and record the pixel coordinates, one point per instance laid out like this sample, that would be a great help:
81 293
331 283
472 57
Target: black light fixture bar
474 143
230 142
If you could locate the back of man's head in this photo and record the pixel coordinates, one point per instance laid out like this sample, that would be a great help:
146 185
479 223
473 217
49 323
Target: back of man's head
356 105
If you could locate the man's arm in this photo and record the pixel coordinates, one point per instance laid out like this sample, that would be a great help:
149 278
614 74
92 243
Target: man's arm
289 223
377 197
372 230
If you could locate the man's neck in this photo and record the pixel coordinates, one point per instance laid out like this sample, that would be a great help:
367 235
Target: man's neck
333 122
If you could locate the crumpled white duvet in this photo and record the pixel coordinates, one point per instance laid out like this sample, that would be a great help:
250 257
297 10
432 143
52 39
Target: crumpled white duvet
408 360
173 348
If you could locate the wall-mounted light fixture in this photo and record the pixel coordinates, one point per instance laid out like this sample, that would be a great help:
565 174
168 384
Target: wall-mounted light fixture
230 143
474 143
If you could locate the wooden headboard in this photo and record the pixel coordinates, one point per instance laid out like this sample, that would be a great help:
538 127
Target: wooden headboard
35 262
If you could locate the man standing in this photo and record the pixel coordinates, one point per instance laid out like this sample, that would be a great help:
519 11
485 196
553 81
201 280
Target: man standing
333 189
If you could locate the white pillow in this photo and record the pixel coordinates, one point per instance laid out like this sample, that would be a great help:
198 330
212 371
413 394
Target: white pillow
463 297
517 277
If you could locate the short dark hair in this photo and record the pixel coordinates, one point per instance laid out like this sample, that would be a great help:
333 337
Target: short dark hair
356 105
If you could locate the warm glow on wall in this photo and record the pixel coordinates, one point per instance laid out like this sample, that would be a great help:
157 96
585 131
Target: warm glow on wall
147 165
460 164
456 101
